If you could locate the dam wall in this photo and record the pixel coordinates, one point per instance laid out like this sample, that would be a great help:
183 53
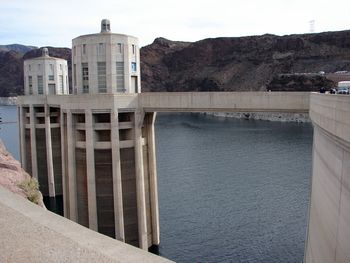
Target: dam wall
329 212
99 151
292 102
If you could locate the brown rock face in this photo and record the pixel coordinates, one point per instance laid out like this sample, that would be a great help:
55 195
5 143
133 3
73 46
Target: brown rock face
244 63
13 177
11 73
299 82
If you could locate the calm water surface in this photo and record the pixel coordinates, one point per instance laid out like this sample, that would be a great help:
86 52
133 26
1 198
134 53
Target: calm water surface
232 190
229 190
9 129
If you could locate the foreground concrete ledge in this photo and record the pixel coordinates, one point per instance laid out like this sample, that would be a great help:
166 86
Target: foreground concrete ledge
31 234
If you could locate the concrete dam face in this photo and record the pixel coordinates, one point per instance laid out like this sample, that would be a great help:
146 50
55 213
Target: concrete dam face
329 218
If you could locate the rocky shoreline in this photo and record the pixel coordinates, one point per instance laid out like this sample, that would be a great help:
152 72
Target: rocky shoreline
266 116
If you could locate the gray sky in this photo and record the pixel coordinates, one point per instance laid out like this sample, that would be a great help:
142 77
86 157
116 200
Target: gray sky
55 23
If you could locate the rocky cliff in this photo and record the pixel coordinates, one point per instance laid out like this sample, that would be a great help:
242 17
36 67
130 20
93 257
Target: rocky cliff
222 64
14 178
11 73
244 63
16 47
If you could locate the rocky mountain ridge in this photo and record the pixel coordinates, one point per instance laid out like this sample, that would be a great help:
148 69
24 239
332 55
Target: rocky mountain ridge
243 63
253 63
16 47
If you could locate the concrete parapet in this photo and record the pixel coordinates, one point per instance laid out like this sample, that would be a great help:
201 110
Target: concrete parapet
329 212
296 102
32 234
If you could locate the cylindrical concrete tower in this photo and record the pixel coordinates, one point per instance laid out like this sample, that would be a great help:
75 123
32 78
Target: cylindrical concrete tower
106 63
45 75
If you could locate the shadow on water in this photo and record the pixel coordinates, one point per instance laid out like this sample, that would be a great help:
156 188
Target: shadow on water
154 249
54 204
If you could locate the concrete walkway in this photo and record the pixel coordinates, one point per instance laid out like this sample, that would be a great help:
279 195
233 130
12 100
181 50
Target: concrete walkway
29 233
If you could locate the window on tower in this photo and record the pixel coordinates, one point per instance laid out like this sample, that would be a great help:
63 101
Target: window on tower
30 85
120 77
85 71
101 77
51 73
133 66
101 49
40 84
61 84
119 48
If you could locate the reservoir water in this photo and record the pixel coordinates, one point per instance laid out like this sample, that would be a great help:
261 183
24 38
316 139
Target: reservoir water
229 190
9 129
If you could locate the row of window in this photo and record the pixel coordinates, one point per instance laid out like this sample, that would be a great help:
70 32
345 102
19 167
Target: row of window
101 77
101 49
51 68
40 85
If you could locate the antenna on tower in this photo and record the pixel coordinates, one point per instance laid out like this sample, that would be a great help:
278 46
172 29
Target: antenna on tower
312 26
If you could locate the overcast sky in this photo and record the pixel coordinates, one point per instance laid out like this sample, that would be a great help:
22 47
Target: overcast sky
55 23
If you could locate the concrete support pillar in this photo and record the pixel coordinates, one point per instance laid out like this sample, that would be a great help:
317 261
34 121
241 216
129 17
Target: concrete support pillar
33 143
90 170
22 139
49 160
71 168
140 182
152 169
117 177
64 164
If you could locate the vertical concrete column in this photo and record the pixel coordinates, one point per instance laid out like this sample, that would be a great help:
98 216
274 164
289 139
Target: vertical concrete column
71 168
117 177
90 170
63 128
49 160
22 141
152 169
140 182
33 143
